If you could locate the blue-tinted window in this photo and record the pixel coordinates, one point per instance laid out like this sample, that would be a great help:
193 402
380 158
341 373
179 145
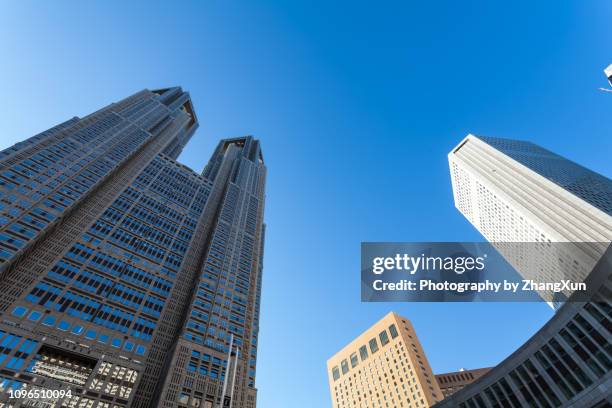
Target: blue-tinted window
344 366
19 311
34 316
393 331
49 321
335 373
373 346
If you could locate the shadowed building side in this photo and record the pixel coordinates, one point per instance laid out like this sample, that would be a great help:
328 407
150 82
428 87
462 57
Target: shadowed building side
452 382
103 242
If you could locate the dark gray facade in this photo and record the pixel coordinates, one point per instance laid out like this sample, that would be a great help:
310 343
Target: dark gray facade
115 257
567 363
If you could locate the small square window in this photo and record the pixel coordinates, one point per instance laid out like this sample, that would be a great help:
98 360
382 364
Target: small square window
48 321
91 334
34 316
116 343
19 311
64 325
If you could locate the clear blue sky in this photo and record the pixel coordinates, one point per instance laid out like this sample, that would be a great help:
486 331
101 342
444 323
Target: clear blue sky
357 106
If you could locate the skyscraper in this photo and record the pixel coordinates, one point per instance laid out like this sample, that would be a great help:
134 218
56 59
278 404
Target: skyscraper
565 364
608 72
384 367
116 259
515 191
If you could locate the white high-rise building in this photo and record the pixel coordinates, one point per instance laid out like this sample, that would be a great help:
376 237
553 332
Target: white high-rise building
608 72
517 192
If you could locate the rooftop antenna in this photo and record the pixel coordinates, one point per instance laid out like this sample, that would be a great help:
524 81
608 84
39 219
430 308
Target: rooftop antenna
608 72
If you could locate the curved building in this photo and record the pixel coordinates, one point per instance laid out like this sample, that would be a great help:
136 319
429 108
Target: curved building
567 363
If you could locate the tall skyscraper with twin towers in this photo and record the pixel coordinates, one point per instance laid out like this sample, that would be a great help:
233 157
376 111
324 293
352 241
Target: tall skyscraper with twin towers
126 277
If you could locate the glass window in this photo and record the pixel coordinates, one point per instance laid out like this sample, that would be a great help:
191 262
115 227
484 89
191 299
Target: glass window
344 366
363 352
103 338
393 331
354 360
373 346
129 346
77 329
34 316
384 338
64 325
91 334
116 342
335 373
19 311
49 321
140 350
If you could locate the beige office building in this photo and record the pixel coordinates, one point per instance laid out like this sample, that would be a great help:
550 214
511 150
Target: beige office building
383 367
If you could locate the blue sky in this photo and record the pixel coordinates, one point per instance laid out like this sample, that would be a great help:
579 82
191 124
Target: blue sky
356 106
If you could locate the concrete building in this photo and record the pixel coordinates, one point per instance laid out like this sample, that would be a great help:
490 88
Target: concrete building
517 192
383 367
566 364
128 278
450 383
608 72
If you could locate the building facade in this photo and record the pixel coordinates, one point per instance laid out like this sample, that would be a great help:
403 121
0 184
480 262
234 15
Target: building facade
515 191
608 72
566 364
384 367
113 254
450 383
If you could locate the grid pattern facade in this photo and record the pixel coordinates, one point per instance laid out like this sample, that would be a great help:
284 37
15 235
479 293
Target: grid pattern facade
102 240
497 189
568 363
383 367
591 187
218 341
